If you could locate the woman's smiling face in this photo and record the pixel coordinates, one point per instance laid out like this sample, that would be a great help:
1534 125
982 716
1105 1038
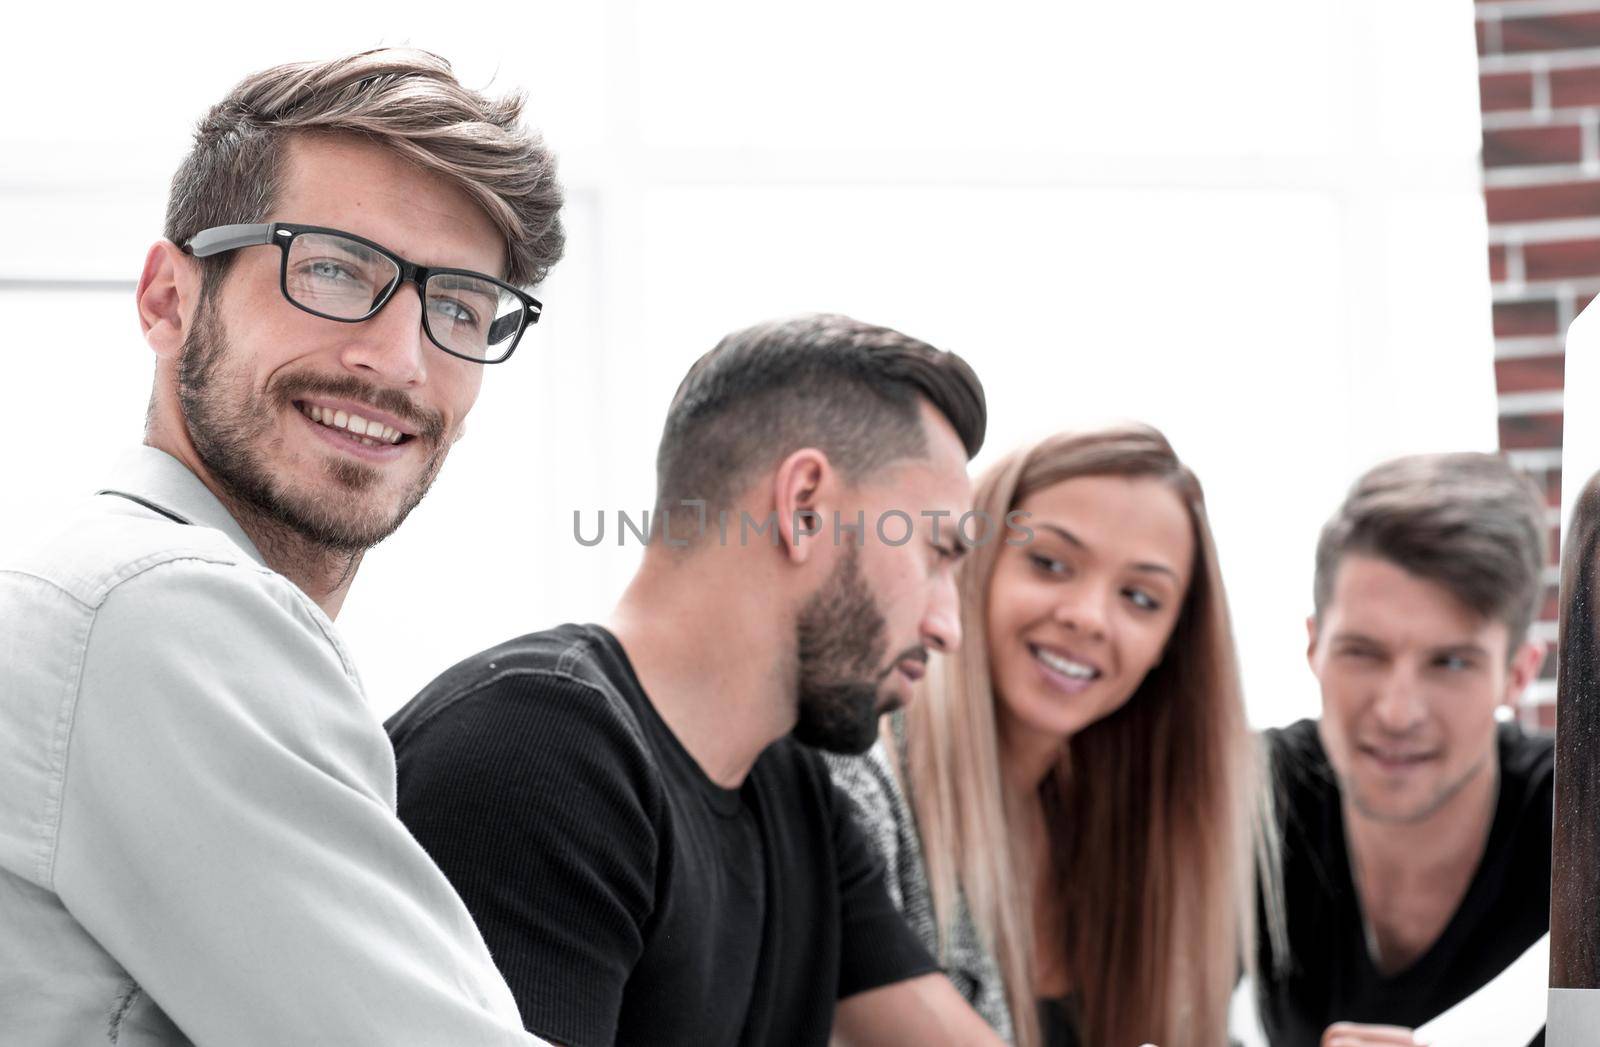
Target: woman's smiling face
1080 613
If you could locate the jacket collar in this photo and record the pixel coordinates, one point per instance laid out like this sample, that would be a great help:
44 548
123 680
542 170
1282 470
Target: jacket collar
161 483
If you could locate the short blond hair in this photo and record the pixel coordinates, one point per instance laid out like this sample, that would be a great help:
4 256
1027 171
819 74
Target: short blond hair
402 98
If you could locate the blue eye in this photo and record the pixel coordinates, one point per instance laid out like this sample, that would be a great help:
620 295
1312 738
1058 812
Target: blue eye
454 311
327 270
1048 565
1142 600
331 272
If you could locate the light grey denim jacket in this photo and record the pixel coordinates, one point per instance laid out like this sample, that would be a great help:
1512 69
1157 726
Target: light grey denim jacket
197 833
883 809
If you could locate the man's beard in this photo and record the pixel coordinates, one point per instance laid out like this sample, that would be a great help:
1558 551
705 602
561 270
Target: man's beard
229 424
841 649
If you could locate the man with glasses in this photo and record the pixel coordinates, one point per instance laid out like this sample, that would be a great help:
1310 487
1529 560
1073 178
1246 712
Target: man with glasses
340 276
197 837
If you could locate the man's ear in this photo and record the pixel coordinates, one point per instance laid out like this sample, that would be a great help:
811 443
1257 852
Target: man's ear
1523 669
168 293
798 489
1311 641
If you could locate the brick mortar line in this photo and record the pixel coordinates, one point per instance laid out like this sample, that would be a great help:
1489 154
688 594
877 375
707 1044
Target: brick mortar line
1517 262
1531 119
1533 176
1550 231
1538 690
1547 634
1527 61
1521 9
1521 405
1540 290
1528 347
1534 459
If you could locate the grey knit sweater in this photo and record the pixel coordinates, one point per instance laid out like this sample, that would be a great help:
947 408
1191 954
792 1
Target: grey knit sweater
884 811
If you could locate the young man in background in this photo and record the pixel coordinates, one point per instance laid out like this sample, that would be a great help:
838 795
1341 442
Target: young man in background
1415 826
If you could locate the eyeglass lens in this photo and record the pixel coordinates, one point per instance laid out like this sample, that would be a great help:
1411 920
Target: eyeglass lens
342 278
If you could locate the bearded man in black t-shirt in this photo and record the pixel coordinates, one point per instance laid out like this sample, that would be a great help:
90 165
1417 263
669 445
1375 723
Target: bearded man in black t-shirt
1415 823
629 811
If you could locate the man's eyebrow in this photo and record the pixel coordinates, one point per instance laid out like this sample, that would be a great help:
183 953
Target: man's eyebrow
1466 647
1073 540
358 250
463 282
1470 647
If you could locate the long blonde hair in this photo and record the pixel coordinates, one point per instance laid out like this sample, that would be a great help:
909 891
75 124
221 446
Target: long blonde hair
1152 810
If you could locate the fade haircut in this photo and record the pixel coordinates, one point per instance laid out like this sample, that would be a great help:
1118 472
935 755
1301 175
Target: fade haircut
405 99
1468 522
848 388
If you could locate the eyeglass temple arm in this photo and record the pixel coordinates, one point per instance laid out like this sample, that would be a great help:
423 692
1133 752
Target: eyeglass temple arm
503 328
221 238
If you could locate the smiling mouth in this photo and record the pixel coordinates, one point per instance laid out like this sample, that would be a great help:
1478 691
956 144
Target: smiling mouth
1397 759
1067 667
354 426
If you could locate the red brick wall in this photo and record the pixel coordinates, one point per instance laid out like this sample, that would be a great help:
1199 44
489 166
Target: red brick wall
1539 93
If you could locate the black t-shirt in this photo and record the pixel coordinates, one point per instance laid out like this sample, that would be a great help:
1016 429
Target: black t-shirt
1058 1021
625 896
1332 978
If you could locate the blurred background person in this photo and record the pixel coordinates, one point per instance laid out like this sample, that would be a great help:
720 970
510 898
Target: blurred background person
1415 826
1575 873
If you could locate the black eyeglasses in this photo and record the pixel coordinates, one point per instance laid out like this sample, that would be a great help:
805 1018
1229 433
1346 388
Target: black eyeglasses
341 276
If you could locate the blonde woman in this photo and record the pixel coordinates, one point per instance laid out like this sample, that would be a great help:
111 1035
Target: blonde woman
1067 808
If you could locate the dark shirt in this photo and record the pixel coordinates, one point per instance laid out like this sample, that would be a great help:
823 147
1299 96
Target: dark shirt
1332 977
625 896
1058 1021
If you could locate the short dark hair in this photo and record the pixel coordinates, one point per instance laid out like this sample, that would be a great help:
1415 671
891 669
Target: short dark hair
402 98
1466 521
849 388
